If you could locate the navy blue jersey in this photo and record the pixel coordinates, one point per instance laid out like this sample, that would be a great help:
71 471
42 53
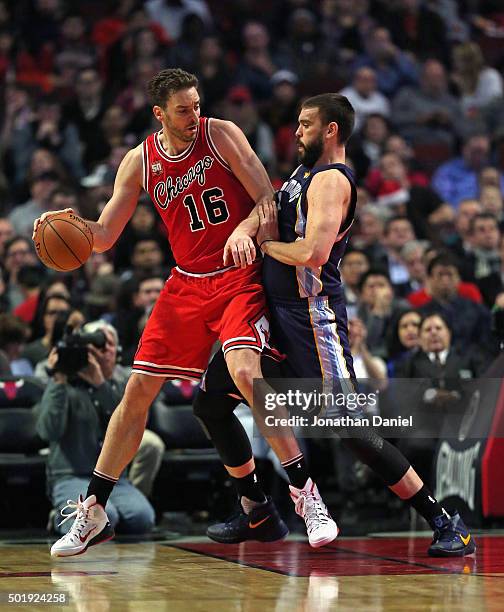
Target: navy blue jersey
282 280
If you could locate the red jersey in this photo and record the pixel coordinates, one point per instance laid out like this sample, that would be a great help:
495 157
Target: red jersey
198 197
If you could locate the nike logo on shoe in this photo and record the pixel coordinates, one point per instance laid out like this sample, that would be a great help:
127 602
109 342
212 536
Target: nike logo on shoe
254 525
84 537
465 540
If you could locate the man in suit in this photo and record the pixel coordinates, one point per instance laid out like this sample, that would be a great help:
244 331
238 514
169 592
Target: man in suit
438 366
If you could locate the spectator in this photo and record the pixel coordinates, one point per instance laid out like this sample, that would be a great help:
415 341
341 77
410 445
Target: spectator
370 237
421 205
133 98
146 257
483 259
459 242
171 15
213 72
492 286
398 145
257 65
30 279
393 68
364 97
345 24
366 365
398 232
477 84
18 252
423 296
377 308
413 256
40 161
38 349
438 364
101 299
302 50
492 202
135 299
417 28
23 216
281 114
13 336
240 109
353 265
457 179
469 321
6 233
428 113
367 147
72 416
46 130
75 51
66 321
86 112
402 339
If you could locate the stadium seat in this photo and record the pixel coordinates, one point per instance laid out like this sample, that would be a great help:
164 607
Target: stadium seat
431 155
22 467
191 466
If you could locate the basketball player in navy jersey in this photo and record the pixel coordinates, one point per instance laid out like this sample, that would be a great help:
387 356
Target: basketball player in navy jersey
303 235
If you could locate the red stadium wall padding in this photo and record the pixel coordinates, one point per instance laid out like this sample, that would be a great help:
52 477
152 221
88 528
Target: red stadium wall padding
492 491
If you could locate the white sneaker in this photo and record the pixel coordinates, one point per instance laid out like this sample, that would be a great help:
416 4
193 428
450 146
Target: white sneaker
91 526
309 505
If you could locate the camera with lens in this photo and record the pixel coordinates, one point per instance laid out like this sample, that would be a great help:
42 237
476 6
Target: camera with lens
73 353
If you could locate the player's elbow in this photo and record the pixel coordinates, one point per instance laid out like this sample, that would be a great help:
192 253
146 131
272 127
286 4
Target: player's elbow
316 258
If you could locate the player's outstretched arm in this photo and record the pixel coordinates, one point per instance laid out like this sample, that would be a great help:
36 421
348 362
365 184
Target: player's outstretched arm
327 195
119 208
248 169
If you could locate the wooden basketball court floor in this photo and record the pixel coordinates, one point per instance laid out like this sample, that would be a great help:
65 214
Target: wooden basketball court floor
193 574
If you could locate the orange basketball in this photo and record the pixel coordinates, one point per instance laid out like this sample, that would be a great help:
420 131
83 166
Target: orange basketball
64 242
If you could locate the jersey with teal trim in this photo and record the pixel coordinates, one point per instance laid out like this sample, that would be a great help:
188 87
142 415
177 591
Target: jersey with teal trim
282 280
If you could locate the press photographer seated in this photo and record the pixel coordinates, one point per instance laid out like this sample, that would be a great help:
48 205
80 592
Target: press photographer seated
84 389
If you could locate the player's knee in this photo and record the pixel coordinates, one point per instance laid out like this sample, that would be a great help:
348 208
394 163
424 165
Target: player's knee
140 393
242 375
213 407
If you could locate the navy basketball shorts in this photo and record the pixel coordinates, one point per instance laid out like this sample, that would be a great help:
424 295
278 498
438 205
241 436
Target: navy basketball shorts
313 333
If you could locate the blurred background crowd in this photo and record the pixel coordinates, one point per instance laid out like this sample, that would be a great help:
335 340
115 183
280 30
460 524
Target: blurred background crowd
425 266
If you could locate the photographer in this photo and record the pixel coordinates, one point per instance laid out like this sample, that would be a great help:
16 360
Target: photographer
73 415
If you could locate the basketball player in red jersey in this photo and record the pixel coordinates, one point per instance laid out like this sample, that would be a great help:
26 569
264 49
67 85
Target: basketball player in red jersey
205 180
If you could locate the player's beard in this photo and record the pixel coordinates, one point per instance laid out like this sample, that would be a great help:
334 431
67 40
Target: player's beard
182 135
310 153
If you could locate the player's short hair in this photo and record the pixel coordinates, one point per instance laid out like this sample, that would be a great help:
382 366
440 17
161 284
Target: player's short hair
164 84
337 108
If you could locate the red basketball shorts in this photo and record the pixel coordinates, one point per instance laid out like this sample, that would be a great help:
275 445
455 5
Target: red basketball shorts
192 312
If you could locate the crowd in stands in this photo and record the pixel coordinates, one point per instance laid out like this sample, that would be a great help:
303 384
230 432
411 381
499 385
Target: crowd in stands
425 78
